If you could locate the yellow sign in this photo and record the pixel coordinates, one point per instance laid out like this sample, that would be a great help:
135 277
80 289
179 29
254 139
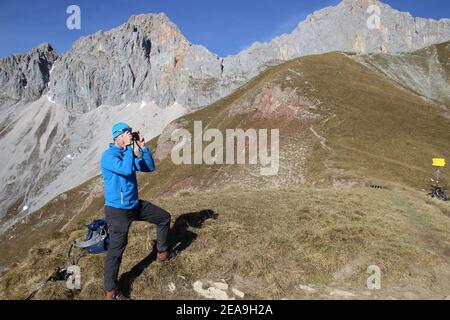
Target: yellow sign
438 162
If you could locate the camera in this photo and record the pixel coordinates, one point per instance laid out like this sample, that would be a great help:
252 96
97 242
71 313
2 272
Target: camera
135 136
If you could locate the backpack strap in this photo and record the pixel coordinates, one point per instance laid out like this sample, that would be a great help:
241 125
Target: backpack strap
95 239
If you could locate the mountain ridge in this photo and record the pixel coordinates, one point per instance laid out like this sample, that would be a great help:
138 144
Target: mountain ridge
25 76
415 33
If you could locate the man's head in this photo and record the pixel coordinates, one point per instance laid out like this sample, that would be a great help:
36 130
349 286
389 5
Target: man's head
121 134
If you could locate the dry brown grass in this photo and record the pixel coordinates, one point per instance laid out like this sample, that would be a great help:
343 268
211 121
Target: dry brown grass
268 243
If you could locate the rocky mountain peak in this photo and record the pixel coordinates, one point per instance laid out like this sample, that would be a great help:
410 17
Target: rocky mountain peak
25 76
156 24
359 2
43 48
350 27
148 58
145 59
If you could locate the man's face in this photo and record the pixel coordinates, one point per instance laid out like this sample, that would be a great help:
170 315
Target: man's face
124 139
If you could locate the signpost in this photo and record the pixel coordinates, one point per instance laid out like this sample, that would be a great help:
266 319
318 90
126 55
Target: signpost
438 191
438 163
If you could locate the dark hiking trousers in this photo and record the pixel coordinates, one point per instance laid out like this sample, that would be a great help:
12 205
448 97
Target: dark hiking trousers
119 221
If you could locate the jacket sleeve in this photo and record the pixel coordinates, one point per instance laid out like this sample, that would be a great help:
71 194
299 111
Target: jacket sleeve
117 165
146 163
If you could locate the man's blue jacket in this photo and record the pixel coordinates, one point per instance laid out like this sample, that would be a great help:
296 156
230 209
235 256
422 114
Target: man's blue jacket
119 168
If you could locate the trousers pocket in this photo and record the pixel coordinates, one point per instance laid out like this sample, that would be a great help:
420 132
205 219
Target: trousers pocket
118 220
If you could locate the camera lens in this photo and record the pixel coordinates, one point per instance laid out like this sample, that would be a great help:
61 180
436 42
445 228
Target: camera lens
135 136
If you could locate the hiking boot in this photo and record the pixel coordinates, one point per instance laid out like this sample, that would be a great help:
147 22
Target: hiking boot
115 295
162 256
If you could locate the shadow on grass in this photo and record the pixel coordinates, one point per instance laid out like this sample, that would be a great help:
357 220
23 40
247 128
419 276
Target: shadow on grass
180 238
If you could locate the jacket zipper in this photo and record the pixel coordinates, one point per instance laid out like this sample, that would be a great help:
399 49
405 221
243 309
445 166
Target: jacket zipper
121 196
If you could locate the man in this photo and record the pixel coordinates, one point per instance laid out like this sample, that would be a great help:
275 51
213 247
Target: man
122 205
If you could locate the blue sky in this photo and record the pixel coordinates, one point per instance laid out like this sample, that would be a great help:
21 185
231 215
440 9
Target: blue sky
223 26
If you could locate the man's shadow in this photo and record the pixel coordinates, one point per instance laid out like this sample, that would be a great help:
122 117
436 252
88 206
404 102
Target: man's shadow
179 239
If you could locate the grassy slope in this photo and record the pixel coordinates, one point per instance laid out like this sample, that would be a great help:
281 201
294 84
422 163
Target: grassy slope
424 72
373 131
268 243
380 131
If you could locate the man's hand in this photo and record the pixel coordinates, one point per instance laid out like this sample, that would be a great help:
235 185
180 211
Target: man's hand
127 138
141 142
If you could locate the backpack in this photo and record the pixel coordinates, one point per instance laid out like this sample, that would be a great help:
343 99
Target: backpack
96 240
